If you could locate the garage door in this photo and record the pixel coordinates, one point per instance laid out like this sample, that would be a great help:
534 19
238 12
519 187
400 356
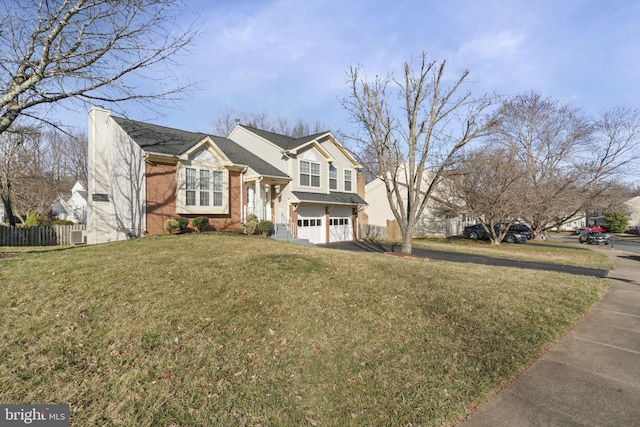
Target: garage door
311 224
340 227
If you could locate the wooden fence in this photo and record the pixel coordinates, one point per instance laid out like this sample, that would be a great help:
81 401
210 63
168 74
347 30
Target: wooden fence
377 232
50 235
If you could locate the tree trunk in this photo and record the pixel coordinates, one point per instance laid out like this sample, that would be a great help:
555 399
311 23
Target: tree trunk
8 211
407 242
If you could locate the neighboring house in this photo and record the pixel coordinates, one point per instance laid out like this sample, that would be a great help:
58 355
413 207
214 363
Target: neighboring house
141 174
574 223
1 214
432 222
634 213
325 194
71 206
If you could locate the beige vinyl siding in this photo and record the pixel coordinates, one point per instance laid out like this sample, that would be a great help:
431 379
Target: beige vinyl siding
260 147
341 163
311 155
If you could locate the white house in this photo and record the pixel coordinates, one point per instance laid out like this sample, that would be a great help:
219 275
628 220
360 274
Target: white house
141 174
72 206
322 200
432 223
634 212
1 214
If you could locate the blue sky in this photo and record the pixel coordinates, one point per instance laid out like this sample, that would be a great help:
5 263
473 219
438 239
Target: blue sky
289 58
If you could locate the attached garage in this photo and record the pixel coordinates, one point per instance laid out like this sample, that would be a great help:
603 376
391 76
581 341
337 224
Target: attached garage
311 224
315 225
340 224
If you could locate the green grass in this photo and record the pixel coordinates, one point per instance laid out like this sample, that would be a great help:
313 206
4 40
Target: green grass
546 251
211 330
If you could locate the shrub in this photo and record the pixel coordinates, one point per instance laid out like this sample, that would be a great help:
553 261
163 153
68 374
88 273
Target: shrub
61 222
183 223
616 222
33 220
265 227
172 226
201 223
250 225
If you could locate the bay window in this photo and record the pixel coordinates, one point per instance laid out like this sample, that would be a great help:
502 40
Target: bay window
203 191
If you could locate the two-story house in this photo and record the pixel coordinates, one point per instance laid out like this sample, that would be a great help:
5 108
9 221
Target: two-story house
322 201
142 174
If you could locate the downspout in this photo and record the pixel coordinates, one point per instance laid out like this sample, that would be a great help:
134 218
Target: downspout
143 222
258 194
242 210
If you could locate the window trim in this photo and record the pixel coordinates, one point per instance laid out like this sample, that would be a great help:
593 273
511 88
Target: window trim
309 174
333 177
193 198
348 188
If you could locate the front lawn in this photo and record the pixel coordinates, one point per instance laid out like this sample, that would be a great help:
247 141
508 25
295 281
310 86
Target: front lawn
547 251
206 330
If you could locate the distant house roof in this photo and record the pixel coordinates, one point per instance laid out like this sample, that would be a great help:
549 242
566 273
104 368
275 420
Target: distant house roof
334 197
173 142
283 141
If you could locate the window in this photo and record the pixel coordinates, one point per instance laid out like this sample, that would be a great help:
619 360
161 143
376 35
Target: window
309 174
206 189
333 178
190 185
347 180
217 188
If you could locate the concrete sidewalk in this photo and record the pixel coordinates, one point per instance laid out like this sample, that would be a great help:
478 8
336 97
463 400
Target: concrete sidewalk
592 376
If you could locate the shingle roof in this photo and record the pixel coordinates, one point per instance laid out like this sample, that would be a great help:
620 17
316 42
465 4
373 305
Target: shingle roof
174 142
334 198
241 156
283 141
159 139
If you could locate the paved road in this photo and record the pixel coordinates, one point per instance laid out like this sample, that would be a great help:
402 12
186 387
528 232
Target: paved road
618 244
360 246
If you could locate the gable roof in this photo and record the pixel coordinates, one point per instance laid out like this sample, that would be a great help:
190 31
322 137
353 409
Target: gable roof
283 141
240 155
162 140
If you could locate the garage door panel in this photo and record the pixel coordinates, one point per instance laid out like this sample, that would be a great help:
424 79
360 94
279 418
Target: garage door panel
340 225
311 224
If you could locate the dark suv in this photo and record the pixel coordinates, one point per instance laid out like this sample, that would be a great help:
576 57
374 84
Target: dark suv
593 237
515 234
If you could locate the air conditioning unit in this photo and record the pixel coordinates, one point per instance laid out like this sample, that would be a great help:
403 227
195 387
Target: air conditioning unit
78 237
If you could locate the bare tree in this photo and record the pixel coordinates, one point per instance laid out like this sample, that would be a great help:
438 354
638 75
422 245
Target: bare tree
492 184
19 151
67 159
87 50
36 167
567 156
416 140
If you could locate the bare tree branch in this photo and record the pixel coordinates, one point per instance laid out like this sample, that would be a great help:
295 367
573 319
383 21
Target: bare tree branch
88 50
413 142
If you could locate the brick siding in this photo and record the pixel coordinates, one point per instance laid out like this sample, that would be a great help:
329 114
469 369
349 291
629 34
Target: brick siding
161 200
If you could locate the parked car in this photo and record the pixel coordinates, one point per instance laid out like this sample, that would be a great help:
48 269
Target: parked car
597 228
522 229
593 237
478 232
